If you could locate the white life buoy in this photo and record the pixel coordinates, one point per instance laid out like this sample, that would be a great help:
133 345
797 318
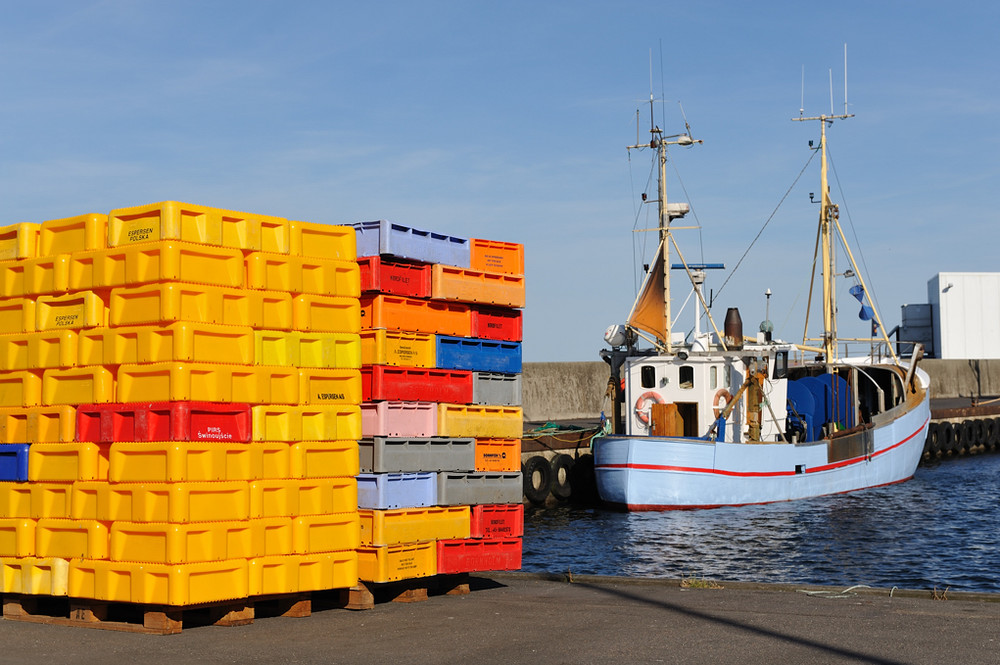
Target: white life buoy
641 408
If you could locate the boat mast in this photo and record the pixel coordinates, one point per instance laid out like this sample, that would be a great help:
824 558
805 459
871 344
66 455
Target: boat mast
828 215
660 143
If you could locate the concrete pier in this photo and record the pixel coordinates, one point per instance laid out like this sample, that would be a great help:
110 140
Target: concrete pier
524 619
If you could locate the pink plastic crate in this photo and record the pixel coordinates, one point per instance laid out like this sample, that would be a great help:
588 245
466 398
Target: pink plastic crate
467 556
497 521
399 419
164 421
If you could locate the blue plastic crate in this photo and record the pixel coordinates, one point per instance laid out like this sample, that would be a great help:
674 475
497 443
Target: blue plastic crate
382 238
478 355
397 490
14 461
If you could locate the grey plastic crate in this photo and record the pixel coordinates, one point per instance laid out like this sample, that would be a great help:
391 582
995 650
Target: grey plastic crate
473 489
383 454
496 389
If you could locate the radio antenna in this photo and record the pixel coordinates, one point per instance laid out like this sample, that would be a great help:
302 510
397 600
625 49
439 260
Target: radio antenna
831 90
845 78
802 102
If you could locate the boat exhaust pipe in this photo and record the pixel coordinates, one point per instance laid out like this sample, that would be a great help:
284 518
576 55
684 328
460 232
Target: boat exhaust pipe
733 328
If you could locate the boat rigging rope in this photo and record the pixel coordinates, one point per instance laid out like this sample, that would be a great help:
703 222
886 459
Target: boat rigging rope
759 233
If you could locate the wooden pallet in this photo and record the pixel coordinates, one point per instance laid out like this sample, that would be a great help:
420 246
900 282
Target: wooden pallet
156 619
366 595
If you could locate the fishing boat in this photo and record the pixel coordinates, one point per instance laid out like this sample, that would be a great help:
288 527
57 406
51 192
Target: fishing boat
716 418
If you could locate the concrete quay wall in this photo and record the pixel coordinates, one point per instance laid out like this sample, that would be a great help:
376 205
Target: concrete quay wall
575 390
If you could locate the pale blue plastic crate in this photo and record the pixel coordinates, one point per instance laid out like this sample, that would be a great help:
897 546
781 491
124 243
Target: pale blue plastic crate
476 489
382 491
14 462
478 355
383 238
383 454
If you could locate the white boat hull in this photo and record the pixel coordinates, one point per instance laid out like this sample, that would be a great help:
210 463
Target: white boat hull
668 473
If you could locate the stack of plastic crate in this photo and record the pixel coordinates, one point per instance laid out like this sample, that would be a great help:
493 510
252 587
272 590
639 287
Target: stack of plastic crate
179 395
441 487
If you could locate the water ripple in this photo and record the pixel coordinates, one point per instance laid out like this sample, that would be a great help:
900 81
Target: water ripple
939 530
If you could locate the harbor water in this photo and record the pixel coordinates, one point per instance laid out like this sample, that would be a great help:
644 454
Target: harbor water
940 530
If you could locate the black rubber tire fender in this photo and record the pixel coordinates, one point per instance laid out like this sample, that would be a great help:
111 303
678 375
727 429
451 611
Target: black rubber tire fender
537 474
947 436
562 472
992 432
584 481
933 443
969 428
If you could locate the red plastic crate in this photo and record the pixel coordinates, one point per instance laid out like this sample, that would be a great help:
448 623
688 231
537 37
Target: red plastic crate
415 384
469 556
497 323
497 521
395 277
164 421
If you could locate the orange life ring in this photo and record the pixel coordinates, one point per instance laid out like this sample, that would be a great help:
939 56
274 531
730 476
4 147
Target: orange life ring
640 405
721 395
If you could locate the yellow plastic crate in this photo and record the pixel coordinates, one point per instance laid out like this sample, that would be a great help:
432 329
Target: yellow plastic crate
17 537
306 422
274 498
78 385
22 388
182 461
412 525
397 562
248 231
11 575
84 309
303 572
14 351
184 262
325 533
174 381
18 241
167 220
36 276
177 503
15 500
323 240
274 535
51 500
158 583
108 346
324 459
69 539
47 576
196 342
166 303
80 233
52 348
326 313
487 422
158 542
305 349
49 424
17 315
398 348
275 459
323 496
329 386
68 462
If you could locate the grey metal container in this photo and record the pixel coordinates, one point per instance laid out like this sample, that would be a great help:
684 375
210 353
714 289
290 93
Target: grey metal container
496 389
382 454
473 489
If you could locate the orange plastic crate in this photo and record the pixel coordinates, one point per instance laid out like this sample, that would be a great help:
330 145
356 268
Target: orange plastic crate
413 314
459 284
498 454
496 256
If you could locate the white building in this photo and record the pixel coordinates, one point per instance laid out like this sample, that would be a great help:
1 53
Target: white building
965 314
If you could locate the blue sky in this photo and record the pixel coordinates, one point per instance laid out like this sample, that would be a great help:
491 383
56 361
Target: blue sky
509 121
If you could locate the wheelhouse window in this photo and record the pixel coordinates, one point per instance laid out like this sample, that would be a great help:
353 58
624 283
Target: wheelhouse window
781 364
647 375
686 377
713 377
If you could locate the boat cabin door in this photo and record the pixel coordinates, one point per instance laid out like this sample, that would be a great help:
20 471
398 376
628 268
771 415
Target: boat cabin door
674 419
